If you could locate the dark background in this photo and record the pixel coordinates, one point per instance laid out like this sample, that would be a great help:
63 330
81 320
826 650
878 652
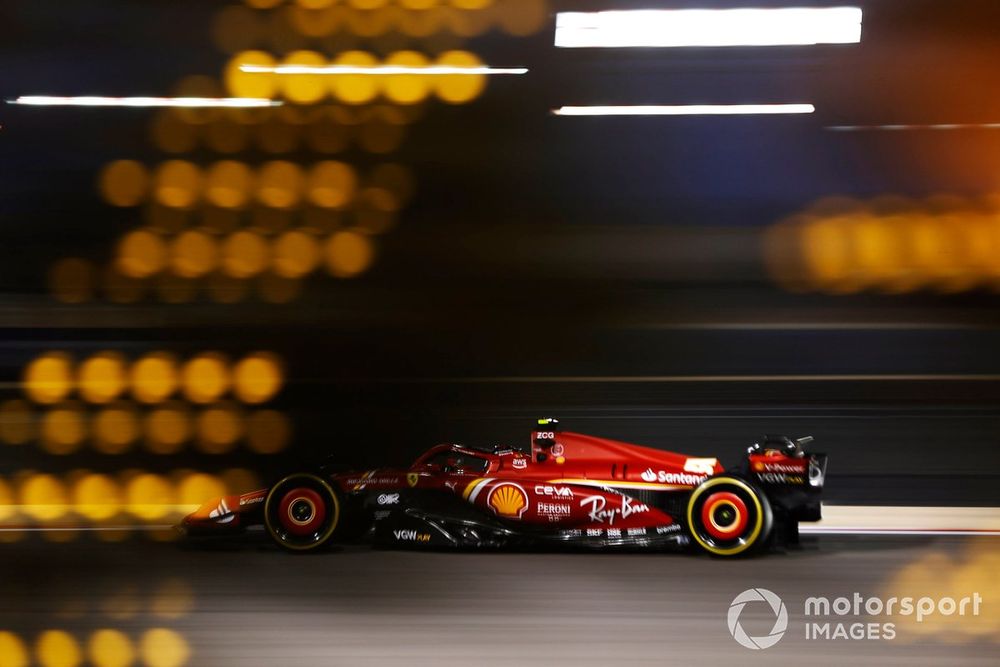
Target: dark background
604 270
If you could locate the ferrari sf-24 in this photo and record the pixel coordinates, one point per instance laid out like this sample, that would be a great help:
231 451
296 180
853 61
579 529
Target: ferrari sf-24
568 490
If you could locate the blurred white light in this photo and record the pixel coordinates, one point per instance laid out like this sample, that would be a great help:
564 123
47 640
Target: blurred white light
709 27
686 110
383 70
143 102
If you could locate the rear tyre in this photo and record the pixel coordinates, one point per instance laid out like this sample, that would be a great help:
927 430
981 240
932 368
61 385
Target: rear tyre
302 513
727 516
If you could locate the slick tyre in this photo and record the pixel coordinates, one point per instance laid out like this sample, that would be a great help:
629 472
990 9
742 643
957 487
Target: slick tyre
728 516
302 513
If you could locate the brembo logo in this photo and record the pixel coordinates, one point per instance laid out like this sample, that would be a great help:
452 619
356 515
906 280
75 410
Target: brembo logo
780 618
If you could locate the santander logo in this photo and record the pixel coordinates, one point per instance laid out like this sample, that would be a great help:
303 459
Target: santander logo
664 477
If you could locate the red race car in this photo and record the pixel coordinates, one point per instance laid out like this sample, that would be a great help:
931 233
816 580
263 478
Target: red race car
569 490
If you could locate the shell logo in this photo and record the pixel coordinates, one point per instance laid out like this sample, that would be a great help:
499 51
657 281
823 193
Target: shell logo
508 500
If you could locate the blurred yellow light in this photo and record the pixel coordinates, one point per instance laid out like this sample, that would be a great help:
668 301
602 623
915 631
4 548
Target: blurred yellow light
264 4
459 88
348 253
124 183
8 508
257 377
101 378
42 497
71 280
178 184
110 648
219 429
17 423
522 18
268 431
161 647
422 23
468 23
244 254
141 253
174 598
167 429
371 23
199 488
417 4
295 254
49 378
115 429
331 184
368 4
193 254
172 134
153 377
407 88
316 4
62 430
96 497
228 184
205 378
320 22
354 88
250 84
827 251
304 88
279 184
56 648
149 496
471 4
13 652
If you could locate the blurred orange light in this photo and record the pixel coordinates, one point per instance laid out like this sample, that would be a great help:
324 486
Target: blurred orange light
101 377
205 378
49 378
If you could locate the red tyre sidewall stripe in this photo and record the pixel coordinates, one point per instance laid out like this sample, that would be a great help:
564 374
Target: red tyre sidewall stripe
741 519
319 512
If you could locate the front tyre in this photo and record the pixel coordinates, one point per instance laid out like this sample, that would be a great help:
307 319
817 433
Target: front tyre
302 512
727 516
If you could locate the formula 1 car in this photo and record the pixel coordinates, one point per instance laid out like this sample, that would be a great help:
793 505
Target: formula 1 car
568 490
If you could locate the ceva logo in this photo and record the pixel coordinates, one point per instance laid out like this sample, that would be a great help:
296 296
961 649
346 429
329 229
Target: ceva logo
780 618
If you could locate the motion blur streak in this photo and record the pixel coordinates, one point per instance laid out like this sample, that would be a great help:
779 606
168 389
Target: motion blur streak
432 70
709 27
145 102
359 607
903 128
686 110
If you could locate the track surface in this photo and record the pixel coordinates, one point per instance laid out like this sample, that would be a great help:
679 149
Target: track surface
255 606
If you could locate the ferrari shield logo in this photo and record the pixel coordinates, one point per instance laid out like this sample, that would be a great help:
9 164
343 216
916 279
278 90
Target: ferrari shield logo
412 478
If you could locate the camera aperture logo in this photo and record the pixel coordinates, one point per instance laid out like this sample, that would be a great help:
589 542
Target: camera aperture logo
857 617
780 618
